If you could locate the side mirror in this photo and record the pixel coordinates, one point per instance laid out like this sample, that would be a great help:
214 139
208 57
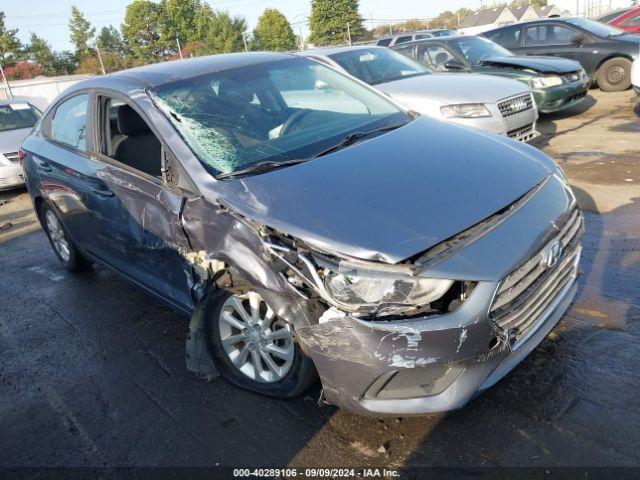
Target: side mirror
322 85
454 64
579 39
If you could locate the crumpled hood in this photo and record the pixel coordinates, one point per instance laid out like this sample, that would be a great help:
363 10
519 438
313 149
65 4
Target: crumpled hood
11 139
539 64
395 195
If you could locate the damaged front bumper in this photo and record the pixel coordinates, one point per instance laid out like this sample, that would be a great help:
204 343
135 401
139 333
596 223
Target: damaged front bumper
424 365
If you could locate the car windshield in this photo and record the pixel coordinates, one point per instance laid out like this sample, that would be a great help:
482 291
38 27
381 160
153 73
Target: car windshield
476 49
597 28
14 116
378 65
280 111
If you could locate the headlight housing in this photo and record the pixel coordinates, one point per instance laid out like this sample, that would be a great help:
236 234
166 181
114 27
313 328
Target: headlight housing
546 82
381 293
465 110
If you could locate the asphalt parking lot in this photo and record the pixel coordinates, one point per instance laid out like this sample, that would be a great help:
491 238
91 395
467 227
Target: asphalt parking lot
92 371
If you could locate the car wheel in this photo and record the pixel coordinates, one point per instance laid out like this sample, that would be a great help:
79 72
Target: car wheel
255 349
614 75
62 245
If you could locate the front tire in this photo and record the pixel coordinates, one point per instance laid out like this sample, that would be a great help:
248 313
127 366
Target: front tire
614 75
59 239
253 348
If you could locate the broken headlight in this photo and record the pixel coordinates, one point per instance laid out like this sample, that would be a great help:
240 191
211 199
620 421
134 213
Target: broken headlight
373 293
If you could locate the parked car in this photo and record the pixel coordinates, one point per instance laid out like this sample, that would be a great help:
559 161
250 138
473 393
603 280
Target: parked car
404 37
557 83
494 104
17 118
627 19
411 263
605 52
635 76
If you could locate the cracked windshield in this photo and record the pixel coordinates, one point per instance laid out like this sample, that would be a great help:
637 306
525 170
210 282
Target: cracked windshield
285 110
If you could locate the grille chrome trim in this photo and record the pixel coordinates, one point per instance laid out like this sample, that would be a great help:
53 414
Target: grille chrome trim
515 105
524 134
526 293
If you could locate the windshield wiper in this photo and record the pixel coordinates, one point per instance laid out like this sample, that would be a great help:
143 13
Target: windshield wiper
268 165
355 136
261 167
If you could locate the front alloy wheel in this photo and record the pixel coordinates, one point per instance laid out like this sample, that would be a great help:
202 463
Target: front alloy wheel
253 347
257 342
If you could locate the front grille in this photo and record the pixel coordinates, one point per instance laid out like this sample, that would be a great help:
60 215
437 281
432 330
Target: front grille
12 156
515 105
523 134
572 77
526 293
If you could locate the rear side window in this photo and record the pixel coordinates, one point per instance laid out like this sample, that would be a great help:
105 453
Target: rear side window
385 42
509 38
544 35
70 122
404 39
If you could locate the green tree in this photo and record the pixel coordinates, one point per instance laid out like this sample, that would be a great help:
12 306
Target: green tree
10 46
224 34
180 21
64 63
81 34
329 20
109 40
273 32
40 52
142 32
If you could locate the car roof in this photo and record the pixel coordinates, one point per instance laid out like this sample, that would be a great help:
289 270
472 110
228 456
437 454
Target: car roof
328 51
434 40
161 73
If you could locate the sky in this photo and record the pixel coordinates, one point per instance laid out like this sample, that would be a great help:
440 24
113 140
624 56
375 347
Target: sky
49 18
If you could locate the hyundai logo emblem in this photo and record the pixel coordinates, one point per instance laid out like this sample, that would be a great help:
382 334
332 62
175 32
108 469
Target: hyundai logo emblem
552 255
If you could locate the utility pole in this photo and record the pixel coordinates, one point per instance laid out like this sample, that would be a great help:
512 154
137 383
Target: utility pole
301 40
179 49
6 82
349 33
100 60
244 40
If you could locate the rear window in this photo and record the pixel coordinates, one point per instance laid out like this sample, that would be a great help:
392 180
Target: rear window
385 42
14 116
404 39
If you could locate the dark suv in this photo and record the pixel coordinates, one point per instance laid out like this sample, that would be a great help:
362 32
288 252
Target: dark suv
605 52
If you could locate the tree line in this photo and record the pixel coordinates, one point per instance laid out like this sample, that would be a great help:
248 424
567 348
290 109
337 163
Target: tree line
154 31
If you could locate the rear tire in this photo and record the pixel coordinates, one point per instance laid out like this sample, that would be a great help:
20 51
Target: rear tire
60 241
242 345
614 75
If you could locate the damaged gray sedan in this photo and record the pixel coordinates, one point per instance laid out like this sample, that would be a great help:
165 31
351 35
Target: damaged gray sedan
310 226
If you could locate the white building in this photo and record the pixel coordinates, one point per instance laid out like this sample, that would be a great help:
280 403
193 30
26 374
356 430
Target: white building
486 19
40 90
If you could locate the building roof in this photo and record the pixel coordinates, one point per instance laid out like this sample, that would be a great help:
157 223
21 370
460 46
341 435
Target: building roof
544 12
520 11
485 16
